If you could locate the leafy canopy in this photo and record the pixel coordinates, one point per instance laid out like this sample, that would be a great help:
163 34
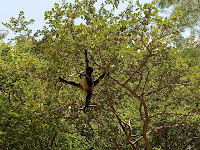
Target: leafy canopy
150 98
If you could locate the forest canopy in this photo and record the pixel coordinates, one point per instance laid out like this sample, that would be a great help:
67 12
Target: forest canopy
150 99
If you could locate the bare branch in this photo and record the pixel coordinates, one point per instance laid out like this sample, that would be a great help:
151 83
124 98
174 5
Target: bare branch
185 84
190 142
146 80
123 85
53 140
8 97
170 85
140 110
141 66
121 122
146 122
156 91
174 114
175 137
93 59
71 75
123 126
116 143
89 125
140 81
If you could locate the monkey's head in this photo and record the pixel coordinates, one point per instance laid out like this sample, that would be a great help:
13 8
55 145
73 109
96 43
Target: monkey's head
89 70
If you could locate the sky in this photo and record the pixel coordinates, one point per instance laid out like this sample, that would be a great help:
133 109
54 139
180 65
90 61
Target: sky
33 9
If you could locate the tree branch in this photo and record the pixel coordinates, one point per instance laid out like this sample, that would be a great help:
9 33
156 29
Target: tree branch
142 65
121 122
123 85
190 142
145 125
140 81
116 143
123 126
53 140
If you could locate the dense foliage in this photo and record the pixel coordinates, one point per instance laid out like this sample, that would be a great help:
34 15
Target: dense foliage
190 12
150 99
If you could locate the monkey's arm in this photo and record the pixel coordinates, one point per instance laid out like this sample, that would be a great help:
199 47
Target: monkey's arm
86 59
100 78
70 82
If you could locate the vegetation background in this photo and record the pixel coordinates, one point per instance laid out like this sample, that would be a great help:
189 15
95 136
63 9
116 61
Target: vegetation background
150 100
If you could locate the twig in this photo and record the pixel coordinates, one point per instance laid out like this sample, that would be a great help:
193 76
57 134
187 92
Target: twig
142 65
71 75
190 142
140 81
52 141
116 143
123 126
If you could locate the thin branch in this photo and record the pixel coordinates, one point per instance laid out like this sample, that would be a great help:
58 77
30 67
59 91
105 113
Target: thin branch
71 75
74 37
134 72
140 81
123 126
146 80
93 59
144 134
100 54
8 97
166 138
176 137
190 142
40 142
89 125
136 141
53 140
131 91
130 129
116 143
185 84
121 84
151 132
174 114
121 122
146 123
147 46
156 91
140 110
170 85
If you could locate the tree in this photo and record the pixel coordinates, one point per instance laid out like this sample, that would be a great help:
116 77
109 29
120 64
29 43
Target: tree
3 34
150 98
190 12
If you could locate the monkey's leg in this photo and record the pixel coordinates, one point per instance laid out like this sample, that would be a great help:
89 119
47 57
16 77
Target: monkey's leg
89 94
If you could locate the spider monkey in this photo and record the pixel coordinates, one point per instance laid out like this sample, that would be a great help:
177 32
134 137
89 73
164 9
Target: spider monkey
88 83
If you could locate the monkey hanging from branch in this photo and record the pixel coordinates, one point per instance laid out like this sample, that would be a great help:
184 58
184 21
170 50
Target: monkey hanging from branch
88 83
